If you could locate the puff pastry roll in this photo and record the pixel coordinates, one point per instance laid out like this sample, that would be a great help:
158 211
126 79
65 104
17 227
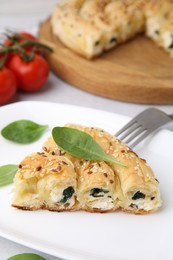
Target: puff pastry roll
44 181
159 23
139 189
50 147
97 189
56 180
97 185
75 32
89 27
127 18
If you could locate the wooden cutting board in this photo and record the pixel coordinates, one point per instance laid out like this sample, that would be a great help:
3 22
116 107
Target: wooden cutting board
137 71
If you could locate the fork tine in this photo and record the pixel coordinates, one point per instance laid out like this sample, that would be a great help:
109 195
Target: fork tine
137 133
129 130
143 125
125 128
139 139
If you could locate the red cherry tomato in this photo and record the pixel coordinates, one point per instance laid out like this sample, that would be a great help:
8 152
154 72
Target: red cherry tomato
8 85
23 35
30 75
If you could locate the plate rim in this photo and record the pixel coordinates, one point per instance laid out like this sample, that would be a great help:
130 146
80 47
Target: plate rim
64 253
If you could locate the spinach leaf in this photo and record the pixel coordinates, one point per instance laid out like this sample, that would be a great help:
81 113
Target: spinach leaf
171 45
97 192
26 256
23 131
7 173
80 144
67 194
138 195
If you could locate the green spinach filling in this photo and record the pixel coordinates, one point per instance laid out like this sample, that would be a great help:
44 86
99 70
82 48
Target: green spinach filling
138 195
113 39
97 192
67 194
171 45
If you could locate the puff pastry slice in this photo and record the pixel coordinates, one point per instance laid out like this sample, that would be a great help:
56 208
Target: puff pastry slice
90 27
55 180
97 185
159 23
44 181
139 189
97 189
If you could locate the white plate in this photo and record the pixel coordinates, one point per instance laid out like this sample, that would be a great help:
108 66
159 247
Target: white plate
81 235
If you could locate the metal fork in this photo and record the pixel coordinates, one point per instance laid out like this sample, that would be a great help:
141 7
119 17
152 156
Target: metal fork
143 125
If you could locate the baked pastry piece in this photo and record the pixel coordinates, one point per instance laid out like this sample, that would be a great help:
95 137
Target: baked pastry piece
55 180
159 23
97 185
90 27
75 32
44 181
127 17
135 187
139 189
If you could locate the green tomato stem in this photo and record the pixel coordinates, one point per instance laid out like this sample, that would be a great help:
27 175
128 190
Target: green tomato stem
3 60
26 43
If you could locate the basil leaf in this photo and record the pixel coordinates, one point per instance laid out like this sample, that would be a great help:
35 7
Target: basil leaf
26 256
7 173
80 144
23 131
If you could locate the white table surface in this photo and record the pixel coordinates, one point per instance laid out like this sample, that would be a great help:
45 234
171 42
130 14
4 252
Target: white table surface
26 15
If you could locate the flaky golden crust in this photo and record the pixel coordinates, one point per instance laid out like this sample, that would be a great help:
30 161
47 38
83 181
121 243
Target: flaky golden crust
41 180
137 212
159 25
91 175
39 165
137 176
90 27
57 181
43 207
63 210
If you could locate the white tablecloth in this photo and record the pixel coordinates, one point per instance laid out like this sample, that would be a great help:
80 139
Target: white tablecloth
26 15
